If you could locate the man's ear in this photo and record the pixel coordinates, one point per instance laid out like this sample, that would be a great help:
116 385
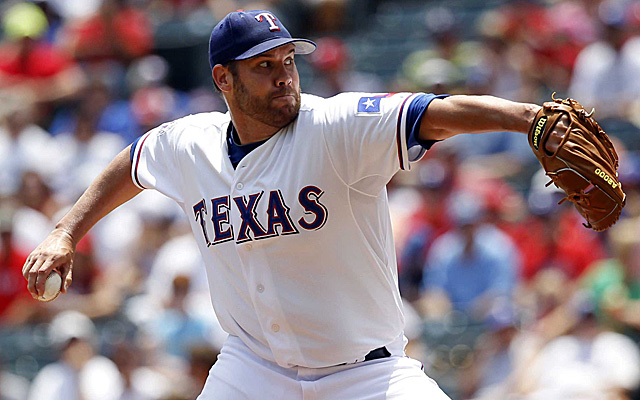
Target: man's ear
222 77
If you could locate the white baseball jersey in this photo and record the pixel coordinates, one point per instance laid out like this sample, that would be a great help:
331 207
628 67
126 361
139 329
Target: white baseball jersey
297 239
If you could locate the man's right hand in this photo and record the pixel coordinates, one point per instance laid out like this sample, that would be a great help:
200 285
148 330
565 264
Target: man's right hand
55 252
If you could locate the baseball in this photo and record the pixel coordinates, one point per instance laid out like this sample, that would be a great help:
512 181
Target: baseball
52 287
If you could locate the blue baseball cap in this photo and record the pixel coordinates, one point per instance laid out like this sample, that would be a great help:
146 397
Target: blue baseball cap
245 34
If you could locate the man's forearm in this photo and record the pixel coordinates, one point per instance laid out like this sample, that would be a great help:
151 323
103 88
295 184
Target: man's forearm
475 114
110 189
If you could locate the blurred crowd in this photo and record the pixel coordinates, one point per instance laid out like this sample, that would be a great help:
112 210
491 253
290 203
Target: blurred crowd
507 295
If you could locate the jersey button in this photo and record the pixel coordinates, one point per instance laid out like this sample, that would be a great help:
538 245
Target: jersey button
248 247
239 186
275 327
260 288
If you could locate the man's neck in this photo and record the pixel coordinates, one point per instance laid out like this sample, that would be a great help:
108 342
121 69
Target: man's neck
250 130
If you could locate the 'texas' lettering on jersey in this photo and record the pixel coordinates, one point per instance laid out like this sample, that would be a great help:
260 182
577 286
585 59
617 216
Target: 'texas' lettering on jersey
251 227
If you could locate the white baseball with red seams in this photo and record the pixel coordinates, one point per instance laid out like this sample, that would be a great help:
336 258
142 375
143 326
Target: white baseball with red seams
52 287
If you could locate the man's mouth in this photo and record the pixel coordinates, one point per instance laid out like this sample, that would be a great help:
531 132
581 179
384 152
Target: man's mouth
285 93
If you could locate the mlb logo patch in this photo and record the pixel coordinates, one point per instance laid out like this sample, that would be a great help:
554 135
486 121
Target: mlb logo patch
369 105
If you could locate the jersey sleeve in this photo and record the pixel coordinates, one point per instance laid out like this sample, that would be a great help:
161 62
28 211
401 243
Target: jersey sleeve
371 137
153 162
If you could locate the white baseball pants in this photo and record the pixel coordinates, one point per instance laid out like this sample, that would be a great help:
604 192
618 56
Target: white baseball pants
239 374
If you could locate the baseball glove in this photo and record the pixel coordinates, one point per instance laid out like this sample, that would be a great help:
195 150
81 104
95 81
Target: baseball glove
584 164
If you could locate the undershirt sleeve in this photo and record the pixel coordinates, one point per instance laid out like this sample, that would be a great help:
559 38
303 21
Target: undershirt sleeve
415 112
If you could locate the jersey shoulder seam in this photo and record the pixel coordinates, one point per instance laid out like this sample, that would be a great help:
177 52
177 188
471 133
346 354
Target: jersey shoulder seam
330 157
360 180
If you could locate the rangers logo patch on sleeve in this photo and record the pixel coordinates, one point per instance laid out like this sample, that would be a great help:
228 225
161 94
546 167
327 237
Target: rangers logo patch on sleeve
369 106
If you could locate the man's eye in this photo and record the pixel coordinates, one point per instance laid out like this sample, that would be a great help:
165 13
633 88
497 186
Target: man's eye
288 61
264 64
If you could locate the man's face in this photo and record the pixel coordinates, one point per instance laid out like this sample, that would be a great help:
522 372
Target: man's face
267 87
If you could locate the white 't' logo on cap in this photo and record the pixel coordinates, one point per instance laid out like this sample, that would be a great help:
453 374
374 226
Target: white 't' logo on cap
270 19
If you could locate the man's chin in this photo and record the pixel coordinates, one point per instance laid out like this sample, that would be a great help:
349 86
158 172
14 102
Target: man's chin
285 103
282 116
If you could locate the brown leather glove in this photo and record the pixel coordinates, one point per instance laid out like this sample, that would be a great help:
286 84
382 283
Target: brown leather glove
583 163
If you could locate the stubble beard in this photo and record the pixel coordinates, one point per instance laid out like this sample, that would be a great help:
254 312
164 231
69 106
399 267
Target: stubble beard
263 110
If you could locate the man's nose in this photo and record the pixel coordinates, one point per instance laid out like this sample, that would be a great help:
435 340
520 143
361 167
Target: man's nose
284 77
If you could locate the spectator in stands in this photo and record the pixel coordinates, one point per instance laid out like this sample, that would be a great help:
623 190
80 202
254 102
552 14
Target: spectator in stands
174 329
128 359
326 16
32 68
490 376
445 64
37 195
152 100
14 299
83 153
12 386
590 362
606 71
24 147
117 32
98 103
573 24
74 9
176 257
614 283
436 179
472 266
86 150
332 64
556 237
35 210
156 230
500 70
80 374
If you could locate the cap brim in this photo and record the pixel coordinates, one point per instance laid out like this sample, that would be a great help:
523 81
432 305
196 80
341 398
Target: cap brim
303 46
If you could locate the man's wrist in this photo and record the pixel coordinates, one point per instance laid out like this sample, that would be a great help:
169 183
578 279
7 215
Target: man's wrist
531 110
65 232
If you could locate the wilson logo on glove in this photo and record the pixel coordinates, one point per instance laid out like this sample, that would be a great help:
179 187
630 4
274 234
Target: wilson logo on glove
539 129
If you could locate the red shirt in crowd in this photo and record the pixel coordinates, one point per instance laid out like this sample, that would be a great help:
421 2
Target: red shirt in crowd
569 246
12 284
94 39
41 60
